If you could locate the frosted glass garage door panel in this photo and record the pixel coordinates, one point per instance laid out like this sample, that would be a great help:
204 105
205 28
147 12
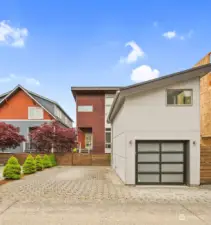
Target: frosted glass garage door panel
148 167
148 157
172 147
148 178
172 178
172 157
172 168
148 147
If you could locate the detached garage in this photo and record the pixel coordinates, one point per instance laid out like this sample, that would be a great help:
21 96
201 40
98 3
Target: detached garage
156 130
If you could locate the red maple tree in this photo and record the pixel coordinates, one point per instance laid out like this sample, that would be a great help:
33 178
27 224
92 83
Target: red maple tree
9 136
53 135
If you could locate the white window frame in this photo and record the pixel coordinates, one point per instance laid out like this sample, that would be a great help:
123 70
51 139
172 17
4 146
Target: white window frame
108 150
179 89
30 117
85 108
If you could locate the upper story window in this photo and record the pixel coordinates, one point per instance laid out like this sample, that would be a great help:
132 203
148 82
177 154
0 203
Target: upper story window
58 112
69 123
35 113
179 96
108 102
85 108
108 138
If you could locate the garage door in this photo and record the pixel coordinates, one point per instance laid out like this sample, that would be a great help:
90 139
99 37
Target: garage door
160 162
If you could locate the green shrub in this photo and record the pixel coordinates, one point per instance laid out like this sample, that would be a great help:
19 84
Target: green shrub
12 170
39 163
46 162
29 165
52 159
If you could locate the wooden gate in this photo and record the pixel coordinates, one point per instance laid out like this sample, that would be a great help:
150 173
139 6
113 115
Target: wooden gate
82 159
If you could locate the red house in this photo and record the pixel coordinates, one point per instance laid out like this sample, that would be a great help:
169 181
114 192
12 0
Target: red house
92 108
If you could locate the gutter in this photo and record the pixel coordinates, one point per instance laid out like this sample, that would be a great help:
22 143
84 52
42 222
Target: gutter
112 106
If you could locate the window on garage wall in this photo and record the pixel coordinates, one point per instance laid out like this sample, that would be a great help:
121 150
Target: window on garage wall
179 96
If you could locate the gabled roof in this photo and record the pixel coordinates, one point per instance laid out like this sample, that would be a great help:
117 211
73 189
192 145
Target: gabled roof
49 100
45 103
155 83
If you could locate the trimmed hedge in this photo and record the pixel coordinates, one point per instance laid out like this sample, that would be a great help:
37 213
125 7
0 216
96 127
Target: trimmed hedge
46 162
52 159
12 170
29 165
39 164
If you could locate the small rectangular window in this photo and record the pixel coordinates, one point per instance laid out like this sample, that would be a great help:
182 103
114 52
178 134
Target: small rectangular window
108 138
35 113
85 108
179 96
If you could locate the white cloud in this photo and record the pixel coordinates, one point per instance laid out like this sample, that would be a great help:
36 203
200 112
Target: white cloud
135 53
173 34
144 73
20 79
170 34
32 81
12 36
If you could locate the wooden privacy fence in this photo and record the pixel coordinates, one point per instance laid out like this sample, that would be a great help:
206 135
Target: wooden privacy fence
79 159
65 159
205 169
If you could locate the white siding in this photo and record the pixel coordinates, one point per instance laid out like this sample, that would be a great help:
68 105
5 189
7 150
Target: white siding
147 117
62 116
108 102
119 146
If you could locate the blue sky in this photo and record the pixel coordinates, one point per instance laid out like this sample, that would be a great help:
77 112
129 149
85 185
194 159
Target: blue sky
49 46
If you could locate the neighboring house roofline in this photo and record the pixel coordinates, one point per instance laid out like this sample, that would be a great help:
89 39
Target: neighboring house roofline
205 60
4 94
104 88
155 83
93 89
30 95
23 89
54 102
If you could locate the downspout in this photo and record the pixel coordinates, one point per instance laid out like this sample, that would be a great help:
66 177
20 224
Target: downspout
112 107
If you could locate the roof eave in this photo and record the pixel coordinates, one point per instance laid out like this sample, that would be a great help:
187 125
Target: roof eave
202 71
78 89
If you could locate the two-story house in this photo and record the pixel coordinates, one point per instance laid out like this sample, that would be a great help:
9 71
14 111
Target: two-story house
27 110
92 107
156 129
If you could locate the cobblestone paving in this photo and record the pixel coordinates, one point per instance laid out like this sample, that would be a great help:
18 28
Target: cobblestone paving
95 195
93 184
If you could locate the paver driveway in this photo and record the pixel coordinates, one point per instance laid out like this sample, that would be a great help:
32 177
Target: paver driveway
95 195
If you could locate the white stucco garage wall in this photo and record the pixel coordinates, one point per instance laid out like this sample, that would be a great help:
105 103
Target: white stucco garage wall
119 145
146 116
